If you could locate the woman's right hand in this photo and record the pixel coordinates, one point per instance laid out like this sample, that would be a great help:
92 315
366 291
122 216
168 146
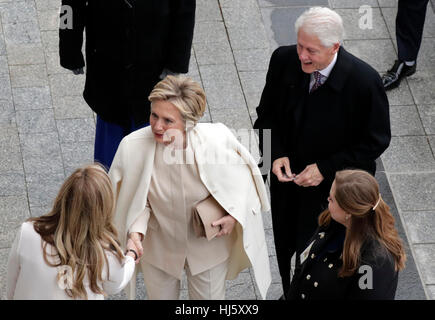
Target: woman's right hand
135 242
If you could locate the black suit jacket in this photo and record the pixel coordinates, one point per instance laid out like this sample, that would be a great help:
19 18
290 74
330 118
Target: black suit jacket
317 277
343 124
128 44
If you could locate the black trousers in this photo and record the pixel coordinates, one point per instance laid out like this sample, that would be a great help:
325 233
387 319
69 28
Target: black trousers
294 218
409 27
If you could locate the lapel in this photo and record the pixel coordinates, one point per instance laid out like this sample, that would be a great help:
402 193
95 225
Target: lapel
145 169
339 74
301 93
322 242
296 88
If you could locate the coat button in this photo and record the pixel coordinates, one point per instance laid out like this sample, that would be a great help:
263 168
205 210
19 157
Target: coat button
308 277
330 265
316 284
312 256
321 235
302 296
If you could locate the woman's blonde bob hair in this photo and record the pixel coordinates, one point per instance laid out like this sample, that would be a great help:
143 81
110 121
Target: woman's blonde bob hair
357 193
79 228
184 93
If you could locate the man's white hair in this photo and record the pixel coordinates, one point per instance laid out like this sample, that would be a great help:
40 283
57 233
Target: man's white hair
322 22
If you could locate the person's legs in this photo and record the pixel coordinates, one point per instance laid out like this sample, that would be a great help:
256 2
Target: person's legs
159 284
108 136
283 223
207 285
410 19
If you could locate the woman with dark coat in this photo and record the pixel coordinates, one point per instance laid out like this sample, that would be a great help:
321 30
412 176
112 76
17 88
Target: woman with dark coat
356 252
130 44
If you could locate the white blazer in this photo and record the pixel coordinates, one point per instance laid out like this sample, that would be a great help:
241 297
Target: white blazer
227 170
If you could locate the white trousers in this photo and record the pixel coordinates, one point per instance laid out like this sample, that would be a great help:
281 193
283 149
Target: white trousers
207 285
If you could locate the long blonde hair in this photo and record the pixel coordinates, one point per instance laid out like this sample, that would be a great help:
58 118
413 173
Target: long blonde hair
79 227
357 193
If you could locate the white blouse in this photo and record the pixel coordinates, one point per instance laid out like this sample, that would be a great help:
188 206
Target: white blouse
29 277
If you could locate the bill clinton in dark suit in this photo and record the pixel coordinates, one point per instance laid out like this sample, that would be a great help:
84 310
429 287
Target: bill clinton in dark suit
328 111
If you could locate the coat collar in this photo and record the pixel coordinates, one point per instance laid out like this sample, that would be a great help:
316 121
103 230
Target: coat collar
327 240
339 74
336 80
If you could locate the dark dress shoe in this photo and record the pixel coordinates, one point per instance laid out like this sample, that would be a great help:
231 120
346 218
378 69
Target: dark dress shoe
393 76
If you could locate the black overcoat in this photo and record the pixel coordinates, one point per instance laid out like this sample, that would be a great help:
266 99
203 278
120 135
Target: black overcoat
317 277
343 124
128 44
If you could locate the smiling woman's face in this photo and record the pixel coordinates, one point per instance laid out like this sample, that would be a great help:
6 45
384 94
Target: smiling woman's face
165 116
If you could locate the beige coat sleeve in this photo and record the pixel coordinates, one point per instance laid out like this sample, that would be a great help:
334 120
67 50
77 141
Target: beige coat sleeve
116 174
140 225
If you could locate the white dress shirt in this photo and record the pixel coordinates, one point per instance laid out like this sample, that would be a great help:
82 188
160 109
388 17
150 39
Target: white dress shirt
324 72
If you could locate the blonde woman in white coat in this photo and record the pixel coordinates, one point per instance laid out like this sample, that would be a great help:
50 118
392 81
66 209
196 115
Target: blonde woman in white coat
161 172
72 252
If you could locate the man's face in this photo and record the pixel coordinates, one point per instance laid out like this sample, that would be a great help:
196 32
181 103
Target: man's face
313 55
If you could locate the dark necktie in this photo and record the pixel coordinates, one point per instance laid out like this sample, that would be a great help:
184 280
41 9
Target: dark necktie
317 81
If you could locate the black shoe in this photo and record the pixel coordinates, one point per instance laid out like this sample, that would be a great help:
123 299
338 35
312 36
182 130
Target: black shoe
393 76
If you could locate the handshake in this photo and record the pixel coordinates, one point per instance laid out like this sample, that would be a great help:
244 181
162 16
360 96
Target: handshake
134 246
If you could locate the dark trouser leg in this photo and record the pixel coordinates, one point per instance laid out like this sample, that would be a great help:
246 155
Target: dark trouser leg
283 224
107 138
409 27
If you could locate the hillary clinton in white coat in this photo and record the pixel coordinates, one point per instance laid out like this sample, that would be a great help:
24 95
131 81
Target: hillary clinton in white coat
155 192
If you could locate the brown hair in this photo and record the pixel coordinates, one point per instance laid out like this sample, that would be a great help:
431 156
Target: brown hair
184 93
79 227
357 193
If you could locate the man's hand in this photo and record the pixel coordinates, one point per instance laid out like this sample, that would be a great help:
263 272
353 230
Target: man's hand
227 224
277 167
135 242
310 177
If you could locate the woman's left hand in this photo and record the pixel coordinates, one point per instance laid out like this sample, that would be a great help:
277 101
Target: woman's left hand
227 224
